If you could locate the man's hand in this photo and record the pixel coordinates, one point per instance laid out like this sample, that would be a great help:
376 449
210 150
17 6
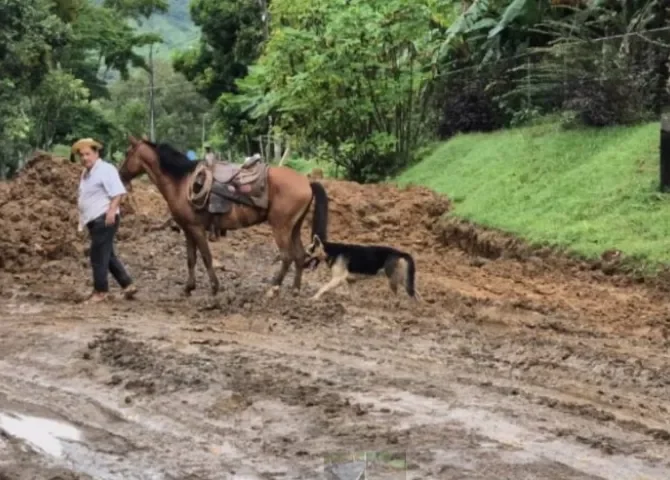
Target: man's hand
110 217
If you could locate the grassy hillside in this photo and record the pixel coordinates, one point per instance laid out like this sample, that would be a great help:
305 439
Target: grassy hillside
589 190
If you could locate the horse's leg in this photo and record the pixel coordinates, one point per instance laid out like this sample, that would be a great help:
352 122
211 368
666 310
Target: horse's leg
200 238
283 240
214 227
191 257
298 250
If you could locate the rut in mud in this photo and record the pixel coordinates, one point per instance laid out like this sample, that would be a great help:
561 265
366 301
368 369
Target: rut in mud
520 363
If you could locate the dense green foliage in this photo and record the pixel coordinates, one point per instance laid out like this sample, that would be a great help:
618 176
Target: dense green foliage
348 75
57 58
363 85
366 84
232 39
179 109
589 190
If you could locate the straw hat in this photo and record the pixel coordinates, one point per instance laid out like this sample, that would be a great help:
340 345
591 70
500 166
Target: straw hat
85 142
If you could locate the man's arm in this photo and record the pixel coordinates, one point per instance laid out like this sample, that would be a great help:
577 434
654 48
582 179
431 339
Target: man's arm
115 189
115 203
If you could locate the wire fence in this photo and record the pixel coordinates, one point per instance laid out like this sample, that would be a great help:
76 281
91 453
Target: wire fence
604 81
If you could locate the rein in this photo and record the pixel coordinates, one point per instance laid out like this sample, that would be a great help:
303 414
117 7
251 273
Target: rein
129 186
199 199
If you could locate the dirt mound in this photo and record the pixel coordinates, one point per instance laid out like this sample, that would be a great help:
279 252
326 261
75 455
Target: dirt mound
145 369
39 218
383 213
412 218
493 244
38 214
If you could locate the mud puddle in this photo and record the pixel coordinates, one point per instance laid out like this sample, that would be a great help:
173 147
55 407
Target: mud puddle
47 441
46 435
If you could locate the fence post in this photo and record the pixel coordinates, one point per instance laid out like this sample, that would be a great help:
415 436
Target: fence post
665 151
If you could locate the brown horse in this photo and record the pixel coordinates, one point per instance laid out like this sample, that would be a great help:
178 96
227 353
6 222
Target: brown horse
290 195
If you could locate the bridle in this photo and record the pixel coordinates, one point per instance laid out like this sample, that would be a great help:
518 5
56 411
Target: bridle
129 154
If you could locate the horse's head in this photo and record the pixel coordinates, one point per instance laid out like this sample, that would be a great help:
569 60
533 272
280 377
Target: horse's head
139 158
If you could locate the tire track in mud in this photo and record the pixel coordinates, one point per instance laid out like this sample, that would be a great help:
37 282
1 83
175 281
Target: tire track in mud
515 366
345 385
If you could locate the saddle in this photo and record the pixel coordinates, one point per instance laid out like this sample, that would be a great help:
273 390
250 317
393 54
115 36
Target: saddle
245 184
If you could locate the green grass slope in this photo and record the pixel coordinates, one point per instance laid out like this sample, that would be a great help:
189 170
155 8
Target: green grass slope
587 190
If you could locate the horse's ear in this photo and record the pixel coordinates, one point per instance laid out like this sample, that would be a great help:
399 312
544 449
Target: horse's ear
133 141
145 137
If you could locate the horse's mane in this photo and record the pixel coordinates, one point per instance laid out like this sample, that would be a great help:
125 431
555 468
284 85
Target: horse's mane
172 161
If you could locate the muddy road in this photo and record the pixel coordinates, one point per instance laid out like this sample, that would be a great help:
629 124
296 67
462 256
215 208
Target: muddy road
518 364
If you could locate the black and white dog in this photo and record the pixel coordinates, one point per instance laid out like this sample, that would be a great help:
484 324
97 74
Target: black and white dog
344 259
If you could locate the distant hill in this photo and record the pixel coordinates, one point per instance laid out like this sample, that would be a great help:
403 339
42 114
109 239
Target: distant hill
175 26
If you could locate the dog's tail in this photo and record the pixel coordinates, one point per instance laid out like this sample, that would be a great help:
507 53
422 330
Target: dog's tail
410 273
320 218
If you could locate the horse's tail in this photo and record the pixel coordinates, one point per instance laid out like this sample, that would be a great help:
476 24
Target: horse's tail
410 272
320 218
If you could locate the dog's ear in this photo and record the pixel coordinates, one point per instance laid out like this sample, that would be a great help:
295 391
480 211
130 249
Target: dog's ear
316 241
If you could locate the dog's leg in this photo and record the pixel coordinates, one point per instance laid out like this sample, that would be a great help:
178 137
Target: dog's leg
340 273
393 283
392 268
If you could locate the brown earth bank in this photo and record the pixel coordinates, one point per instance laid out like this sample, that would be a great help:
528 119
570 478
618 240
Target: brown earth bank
518 364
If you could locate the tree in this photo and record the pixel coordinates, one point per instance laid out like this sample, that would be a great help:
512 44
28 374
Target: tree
349 75
103 42
487 30
54 55
29 35
179 108
137 9
233 37
54 103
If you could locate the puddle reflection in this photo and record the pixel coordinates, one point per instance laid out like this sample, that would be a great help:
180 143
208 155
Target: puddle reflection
42 433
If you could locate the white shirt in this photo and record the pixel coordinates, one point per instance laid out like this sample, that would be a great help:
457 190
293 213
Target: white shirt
97 187
210 158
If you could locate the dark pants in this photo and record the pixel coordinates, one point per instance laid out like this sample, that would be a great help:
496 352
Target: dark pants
103 258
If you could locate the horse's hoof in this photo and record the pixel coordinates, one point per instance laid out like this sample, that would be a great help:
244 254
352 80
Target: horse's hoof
272 292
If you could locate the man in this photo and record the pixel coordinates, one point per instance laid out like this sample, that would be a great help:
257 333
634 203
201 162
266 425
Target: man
100 193
210 157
